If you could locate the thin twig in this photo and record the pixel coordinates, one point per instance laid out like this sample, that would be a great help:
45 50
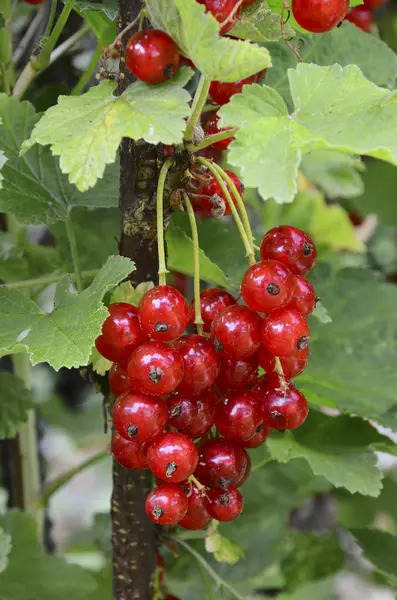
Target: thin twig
198 320
232 13
160 220
284 35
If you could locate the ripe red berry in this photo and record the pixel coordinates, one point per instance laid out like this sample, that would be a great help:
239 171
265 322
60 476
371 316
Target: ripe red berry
284 409
221 9
207 196
284 332
266 360
155 368
238 416
222 463
166 504
236 374
131 454
304 297
197 516
248 3
236 330
121 333
258 438
192 415
224 505
265 383
374 3
212 301
361 16
152 56
119 381
319 16
172 457
163 313
211 128
292 365
267 285
291 246
201 363
222 92
139 416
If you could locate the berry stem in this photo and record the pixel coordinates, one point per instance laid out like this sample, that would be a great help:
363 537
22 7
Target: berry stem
43 60
6 65
284 35
214 170
47 279
192 479
120 36
199 101
87 74
73 250
160 221
232 13
279 370
212 139
198 321
50 22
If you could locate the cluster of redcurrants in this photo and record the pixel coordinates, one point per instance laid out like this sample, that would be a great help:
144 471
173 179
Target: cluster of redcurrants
363 14
173 388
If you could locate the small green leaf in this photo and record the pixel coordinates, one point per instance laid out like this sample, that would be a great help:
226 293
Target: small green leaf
3 160
380 548
197 34
258 23
5 549
321 313
100 364
85 131
126 292
108 7
102 26
337 174
15 401
20 260
223 549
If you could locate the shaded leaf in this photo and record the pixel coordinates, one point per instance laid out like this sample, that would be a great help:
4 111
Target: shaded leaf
15 401
259 24
5 549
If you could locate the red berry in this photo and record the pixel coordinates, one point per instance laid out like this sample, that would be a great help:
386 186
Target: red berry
304 297
211 128
221 10
284 332
192 415
291 246
172 457
201 363
236 330
267 285
319 16
236 374
224 505
238 416
139 416
155 368
152 56
163 313
211 153
266 360
197 516
258 438
361 16
264 384
208 198
121 333
292 365
212 301
221 463
248 3
131 454
161 567
222 92
34 1
284 409
170 597
166 504
374 3
119 381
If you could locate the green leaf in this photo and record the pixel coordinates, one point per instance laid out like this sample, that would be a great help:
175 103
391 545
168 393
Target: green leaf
3 160
34 189
313 591
180 257
63 337
379 195
15 401
337 448
337 174
223 549
197 34
108 7
321 313
20 260
5 549
380 548
32 574
102 26
126 292
334 108
361 511
85 131
100 364
258 23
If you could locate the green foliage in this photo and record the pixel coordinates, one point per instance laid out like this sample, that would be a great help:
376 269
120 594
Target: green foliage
108 7
362 511
380 180
20 260
337 174
223 549
259 24
380 548
5 549
15 401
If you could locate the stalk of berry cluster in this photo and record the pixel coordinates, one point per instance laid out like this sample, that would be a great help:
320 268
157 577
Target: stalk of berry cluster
160 220
198 321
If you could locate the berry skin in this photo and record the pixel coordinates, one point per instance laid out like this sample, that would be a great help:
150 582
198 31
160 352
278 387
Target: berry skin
140 417
292 365
172 457
224 505
192 415
284 332
119 381
211 128
361 16
212 301
131 454
319 16
152 56
284 409
222 463
207 196
267 285
258 438
197 516
222 92
248 3
237 374
221 10
238 416
374 3
291 246
201 363
266 360
155 368
166 504
163 313
236 330
304 297
121 333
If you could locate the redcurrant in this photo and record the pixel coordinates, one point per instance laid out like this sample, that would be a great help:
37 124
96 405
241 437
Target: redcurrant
222 92
121 333
284 332
248 3
374 3
266 360
304 297
265 383
34 1
221 10
224 505
207 196
238 416
119 381
236 330
131 454
166 504
284 409
211 128
258 438
267 285
221 463
319 16
163 313
139 416
212 301
155 368
172 457
236 374
292 365
361 16
291 246
201 363
192 415
152 56
197 516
